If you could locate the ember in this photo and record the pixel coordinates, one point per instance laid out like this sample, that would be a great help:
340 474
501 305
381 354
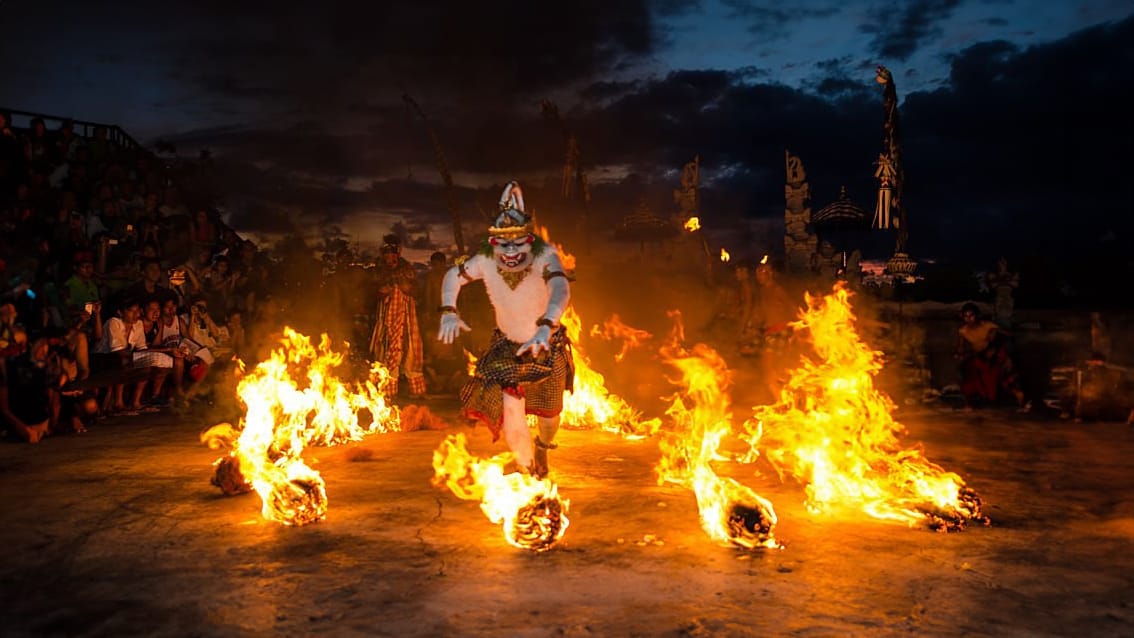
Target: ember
834 431
284 415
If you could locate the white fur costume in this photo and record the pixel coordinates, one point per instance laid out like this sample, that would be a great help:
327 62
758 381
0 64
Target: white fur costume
528 365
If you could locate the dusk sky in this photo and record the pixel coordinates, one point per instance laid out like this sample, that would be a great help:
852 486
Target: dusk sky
1014 113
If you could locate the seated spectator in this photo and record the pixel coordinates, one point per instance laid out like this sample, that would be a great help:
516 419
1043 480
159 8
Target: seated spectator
28 393
218 285
98 147
195 270
13 338
83 309
11 158
38 146
66 142
151 286
201 327
986 369
123 346
202 231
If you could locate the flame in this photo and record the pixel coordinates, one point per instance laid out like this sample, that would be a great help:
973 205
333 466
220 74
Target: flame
529 509
764 260
725 256
565 258
730 513
614 328
293 400
833 430
470 364
692 224
590 404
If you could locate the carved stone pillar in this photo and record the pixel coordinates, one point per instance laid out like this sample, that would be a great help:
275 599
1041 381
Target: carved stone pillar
799 240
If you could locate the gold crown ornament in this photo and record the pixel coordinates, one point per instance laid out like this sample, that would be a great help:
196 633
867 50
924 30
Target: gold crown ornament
512 222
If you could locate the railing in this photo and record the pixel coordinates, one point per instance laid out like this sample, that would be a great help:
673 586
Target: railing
114 133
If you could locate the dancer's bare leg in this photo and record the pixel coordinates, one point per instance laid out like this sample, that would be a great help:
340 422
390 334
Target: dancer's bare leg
548 428
516 432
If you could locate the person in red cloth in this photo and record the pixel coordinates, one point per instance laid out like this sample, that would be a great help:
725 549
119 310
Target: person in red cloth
987 373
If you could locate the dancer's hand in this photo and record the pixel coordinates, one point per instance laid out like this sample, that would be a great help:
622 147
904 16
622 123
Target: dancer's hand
538 344
451 327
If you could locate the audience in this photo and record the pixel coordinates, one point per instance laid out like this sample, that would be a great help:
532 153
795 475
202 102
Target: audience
91 232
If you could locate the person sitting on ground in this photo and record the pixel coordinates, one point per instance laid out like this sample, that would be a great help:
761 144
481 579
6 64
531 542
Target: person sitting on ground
28 394
986 368
13 339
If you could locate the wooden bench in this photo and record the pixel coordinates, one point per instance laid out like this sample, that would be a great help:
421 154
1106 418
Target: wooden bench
108 378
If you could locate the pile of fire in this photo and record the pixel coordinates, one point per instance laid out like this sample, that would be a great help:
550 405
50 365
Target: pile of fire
591 404
530 510
731 513
293 400
832 430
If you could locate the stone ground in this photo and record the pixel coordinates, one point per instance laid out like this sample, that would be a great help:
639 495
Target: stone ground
117 532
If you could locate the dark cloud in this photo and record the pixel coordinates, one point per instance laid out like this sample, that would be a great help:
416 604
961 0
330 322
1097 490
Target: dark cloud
769 23
1017 147
1028 147
328 51
603 90
899 29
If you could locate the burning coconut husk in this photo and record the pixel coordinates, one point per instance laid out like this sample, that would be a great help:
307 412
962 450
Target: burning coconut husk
730 513
530 511
832 430
293 400
228 478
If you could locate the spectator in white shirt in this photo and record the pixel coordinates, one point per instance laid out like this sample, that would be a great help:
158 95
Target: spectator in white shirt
123 345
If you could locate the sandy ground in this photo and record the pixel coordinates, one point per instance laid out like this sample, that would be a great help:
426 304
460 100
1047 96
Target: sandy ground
118 532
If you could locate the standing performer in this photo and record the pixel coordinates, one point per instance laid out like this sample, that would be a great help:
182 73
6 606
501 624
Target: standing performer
396 339
528 364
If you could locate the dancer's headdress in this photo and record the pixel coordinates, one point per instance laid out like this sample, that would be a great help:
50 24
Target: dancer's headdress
512 222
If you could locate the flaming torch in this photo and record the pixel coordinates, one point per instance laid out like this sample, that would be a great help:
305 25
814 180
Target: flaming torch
293 400
731 514
529 509
833 430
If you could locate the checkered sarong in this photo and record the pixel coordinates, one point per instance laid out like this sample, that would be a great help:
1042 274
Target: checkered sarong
540 381
147 359
396 340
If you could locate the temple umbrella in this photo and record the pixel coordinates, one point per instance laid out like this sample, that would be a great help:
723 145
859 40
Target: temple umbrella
643 226
842 222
